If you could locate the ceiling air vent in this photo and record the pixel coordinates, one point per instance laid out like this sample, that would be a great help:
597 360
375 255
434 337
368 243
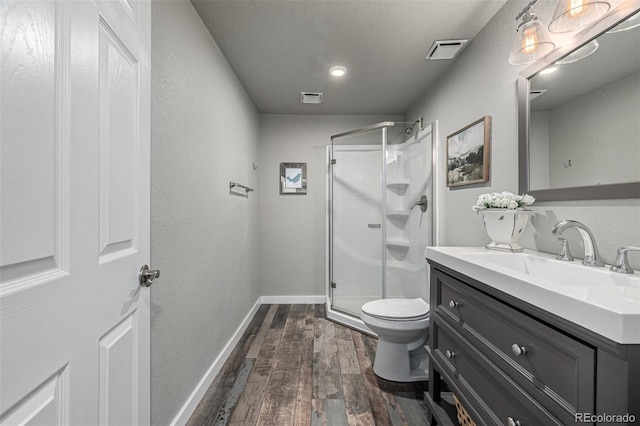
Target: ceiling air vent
445 49
310 97
535 93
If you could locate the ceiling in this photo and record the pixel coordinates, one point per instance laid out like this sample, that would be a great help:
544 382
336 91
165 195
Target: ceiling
279 48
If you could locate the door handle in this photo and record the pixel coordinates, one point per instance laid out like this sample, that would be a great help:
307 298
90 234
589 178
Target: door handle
146 275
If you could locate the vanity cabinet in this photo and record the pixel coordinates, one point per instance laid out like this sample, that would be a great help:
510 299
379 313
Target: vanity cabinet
509 362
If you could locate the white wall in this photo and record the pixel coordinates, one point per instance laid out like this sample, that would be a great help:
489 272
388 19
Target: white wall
292 227
481 82
204 240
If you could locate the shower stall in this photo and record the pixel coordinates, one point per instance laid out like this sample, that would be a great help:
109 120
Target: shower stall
379 216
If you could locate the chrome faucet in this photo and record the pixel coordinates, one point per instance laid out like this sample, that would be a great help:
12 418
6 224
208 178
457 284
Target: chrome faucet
621 264
591 255
423 202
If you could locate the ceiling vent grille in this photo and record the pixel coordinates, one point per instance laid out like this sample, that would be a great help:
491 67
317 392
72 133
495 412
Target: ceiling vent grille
310 97
535 93
445 49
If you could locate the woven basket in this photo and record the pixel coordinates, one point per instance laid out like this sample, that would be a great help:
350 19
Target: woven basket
463 416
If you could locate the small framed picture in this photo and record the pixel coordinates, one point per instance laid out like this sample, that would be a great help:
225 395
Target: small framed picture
468 154
293 178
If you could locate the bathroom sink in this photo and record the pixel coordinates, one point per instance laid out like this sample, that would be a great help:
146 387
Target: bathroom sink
602 301
548 268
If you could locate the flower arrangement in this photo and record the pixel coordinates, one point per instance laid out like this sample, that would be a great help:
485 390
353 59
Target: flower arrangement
503 200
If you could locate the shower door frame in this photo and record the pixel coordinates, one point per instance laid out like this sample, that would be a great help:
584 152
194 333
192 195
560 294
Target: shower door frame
339 315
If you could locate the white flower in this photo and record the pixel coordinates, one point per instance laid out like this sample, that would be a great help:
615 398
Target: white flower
528 200
502 200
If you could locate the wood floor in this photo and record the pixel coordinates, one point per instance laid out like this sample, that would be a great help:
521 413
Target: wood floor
294 367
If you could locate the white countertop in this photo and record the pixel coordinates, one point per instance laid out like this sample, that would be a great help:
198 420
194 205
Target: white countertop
605 302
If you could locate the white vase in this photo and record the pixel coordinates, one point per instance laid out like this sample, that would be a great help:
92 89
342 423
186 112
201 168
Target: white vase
505 227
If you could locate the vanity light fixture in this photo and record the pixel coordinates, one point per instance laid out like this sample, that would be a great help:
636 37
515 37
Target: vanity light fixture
580 53
627 24
573 15
338 71
532 40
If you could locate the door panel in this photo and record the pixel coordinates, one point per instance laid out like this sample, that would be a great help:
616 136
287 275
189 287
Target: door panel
32 80
118 353
118 70
74 195
47 405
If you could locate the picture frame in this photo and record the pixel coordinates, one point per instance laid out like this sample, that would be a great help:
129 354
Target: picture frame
467 161
293 178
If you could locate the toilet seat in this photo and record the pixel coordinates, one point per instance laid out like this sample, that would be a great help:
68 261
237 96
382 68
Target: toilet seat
397 309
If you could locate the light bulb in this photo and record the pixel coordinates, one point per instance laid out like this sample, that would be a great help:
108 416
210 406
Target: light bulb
338 71
575 8
529 40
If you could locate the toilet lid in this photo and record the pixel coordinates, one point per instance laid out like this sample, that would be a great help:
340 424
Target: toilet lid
397 308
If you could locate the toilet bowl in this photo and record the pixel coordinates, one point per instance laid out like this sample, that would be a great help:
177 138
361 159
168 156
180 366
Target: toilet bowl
402 326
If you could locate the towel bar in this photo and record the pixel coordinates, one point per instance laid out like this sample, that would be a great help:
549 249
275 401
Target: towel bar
234 184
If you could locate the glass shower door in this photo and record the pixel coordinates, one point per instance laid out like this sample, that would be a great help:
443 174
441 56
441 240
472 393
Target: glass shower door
379 178
356 224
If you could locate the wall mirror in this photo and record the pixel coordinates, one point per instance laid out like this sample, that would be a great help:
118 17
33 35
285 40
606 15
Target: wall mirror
579 115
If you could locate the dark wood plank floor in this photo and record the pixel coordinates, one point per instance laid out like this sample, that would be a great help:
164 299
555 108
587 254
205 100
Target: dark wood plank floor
294 367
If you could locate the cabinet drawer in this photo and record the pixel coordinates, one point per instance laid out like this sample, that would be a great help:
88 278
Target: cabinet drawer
492 393
528 350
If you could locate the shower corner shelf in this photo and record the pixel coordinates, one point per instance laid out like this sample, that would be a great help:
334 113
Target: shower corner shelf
398 218
398 214
401 244
398 249
401 265
399 186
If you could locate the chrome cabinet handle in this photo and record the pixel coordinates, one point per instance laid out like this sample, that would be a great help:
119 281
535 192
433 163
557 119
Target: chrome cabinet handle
453 304
146 275
512 422
449 354
518 350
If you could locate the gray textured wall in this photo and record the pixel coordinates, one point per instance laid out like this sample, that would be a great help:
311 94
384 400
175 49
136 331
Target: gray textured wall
204 240
481 82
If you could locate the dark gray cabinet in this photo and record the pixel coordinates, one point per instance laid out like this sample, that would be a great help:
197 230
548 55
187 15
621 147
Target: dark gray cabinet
509 362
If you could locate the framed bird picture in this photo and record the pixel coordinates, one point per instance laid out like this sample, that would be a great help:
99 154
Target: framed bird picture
293 178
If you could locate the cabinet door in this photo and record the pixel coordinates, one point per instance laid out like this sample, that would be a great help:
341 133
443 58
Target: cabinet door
489 390
539 357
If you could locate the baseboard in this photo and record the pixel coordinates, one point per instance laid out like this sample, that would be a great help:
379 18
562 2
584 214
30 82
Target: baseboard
295 300
198 393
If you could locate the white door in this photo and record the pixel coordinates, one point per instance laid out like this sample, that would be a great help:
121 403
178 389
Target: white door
74 212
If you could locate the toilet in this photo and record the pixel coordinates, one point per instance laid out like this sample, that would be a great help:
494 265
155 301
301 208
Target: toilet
402 326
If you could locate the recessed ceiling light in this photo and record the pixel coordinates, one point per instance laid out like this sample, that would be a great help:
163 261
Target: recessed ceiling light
338 71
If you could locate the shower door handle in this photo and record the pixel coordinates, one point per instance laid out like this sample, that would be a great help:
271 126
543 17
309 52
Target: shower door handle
423 202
